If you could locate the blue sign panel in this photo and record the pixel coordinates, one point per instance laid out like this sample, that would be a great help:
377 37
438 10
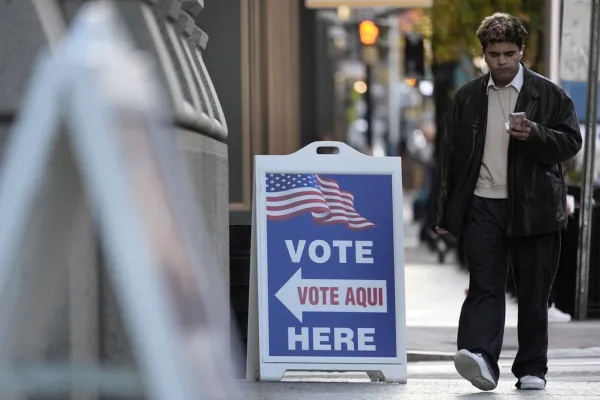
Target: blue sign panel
330 258
578 92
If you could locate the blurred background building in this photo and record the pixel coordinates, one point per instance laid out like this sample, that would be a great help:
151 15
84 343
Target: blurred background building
378 77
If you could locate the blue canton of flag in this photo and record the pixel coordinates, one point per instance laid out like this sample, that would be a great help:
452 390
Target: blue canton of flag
290 195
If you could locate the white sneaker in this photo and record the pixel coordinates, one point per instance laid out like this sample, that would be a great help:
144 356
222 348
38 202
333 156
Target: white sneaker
555 315
532 383
475 369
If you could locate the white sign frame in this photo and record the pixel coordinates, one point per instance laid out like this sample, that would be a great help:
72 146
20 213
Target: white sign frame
347 162
99 87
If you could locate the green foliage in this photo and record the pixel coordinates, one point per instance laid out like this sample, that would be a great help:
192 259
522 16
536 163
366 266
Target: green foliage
454 23
575 177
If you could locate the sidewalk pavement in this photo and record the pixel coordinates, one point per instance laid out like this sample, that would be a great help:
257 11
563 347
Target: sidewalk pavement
415 389
434 296
567 379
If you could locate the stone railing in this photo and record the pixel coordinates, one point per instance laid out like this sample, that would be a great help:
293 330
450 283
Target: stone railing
89 327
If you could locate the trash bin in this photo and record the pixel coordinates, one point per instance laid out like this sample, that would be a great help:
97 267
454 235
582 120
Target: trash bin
566 278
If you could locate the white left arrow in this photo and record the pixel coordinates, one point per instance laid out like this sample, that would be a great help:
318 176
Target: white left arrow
316 295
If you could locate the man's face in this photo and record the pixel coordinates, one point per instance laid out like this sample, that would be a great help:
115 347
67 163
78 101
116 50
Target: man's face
503 61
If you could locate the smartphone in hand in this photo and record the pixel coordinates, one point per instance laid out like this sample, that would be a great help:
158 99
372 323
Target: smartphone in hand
517 120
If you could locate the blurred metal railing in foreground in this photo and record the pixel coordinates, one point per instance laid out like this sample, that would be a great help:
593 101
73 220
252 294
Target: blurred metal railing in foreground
118 153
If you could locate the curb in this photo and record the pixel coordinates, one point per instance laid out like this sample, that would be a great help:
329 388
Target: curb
416 356
553 354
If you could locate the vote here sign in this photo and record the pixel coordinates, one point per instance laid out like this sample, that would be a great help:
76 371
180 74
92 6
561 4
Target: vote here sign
330 286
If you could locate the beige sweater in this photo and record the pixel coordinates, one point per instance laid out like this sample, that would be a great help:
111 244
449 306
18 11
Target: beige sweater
492 181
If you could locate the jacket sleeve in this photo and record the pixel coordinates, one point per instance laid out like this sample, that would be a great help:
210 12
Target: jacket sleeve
560 139
442 185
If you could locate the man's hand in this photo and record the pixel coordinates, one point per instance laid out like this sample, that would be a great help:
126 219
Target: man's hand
440 231
521 130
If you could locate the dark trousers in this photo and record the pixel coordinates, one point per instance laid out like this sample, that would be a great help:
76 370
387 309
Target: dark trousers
534 262
512 291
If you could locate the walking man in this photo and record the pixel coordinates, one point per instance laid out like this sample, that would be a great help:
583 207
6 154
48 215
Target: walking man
499 185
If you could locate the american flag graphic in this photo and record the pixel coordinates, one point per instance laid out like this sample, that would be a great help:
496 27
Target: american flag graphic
289 195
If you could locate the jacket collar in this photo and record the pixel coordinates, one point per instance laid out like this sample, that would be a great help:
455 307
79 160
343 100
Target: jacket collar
527 82
517 81
528 94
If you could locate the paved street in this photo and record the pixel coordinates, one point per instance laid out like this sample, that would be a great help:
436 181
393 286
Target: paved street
573 378
415 389
568 379
434 295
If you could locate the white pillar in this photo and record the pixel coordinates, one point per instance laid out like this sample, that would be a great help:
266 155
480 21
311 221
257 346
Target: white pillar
553 39
394 81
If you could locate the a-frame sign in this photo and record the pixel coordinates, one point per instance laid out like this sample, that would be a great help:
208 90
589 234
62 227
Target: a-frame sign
92 130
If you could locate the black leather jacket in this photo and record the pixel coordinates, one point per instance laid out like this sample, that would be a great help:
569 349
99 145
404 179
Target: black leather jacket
536 186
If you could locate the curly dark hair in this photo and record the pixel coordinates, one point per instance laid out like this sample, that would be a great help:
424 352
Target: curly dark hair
500 28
